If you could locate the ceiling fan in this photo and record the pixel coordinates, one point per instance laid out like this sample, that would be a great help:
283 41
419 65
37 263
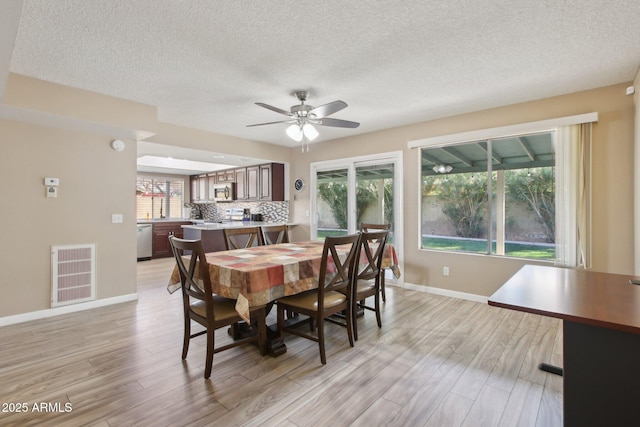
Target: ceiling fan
302 118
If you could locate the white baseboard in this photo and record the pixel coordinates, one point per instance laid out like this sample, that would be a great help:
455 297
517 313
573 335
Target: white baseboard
445 292
41 314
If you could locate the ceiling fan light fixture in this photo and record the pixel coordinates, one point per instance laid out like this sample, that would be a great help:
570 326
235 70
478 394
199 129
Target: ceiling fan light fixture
309 131
301 117
294 132
442 168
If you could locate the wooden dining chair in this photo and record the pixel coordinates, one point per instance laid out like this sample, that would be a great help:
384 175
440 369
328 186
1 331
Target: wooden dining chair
202 306
364 227
369 275
242 237
333 294
273 234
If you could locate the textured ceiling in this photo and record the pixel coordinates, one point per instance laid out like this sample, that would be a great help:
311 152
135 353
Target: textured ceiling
205 63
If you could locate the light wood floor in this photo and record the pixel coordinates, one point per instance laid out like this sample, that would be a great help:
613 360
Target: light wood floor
437 361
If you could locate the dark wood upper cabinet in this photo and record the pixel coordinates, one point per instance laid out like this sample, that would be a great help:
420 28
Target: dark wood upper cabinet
271 182
222 177
240 176
253 183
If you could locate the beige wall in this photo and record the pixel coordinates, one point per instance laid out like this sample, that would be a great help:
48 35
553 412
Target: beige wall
51 130
97 181
612 236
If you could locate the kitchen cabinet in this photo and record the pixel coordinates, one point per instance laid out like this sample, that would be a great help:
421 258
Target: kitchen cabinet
253 182
199 187
202 187
195 189
271 182
160 237
211 183
261 182
241 183
222 177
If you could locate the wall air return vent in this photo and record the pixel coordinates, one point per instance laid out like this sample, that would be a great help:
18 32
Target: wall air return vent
73 274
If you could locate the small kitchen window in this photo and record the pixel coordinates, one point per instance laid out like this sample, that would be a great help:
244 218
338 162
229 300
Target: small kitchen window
158 198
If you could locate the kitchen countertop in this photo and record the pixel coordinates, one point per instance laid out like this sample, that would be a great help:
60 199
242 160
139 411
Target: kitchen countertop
231 224
163 220
199 224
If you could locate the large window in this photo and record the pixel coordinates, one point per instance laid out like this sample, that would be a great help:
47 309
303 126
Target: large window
347 192
494 196
159 198
373 195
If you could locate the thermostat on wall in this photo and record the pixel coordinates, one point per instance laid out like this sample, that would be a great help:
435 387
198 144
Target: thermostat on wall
51 181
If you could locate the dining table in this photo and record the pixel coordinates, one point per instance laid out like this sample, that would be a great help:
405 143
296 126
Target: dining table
259 275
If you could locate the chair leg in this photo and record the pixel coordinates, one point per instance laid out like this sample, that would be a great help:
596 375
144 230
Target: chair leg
323 357
377 306
384 294
349 319
354 321
210 347
187 336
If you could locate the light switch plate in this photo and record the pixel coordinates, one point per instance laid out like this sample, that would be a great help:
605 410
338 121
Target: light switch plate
116 218
51 181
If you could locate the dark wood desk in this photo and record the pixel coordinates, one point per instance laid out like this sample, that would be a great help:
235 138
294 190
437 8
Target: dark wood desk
600 314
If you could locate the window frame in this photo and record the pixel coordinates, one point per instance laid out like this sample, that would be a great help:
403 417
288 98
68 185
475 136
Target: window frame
487 134
495 207
168 214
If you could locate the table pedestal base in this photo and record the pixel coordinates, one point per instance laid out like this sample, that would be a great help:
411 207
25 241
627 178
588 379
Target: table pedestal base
601 371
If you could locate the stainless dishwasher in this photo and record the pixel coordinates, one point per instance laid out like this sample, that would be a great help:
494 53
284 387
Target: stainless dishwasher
144 241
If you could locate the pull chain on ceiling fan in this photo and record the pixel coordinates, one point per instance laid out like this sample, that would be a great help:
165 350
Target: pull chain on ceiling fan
302 118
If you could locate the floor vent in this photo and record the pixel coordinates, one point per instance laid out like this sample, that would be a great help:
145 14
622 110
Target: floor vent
73 273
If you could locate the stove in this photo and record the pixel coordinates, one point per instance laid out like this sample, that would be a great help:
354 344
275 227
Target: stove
234 214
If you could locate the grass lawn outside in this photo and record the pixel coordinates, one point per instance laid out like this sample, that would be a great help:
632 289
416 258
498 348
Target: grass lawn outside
512 249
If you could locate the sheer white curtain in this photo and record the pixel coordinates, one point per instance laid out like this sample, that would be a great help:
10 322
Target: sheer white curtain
573 161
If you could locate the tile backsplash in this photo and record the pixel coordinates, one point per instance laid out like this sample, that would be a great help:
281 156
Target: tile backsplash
271 211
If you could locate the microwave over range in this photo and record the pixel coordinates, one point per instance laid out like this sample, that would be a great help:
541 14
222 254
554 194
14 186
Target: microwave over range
224 192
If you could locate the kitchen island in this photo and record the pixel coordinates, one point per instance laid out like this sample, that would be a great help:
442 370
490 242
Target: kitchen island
211 233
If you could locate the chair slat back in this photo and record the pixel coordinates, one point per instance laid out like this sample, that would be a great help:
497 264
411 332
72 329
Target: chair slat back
372 246
365 226
337 271
242 237
274 234
194 277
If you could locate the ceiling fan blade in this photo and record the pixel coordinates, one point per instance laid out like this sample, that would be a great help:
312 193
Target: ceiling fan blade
272 123
338 123
328 109
276 109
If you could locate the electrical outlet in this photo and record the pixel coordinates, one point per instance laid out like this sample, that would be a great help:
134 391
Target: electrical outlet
445 271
